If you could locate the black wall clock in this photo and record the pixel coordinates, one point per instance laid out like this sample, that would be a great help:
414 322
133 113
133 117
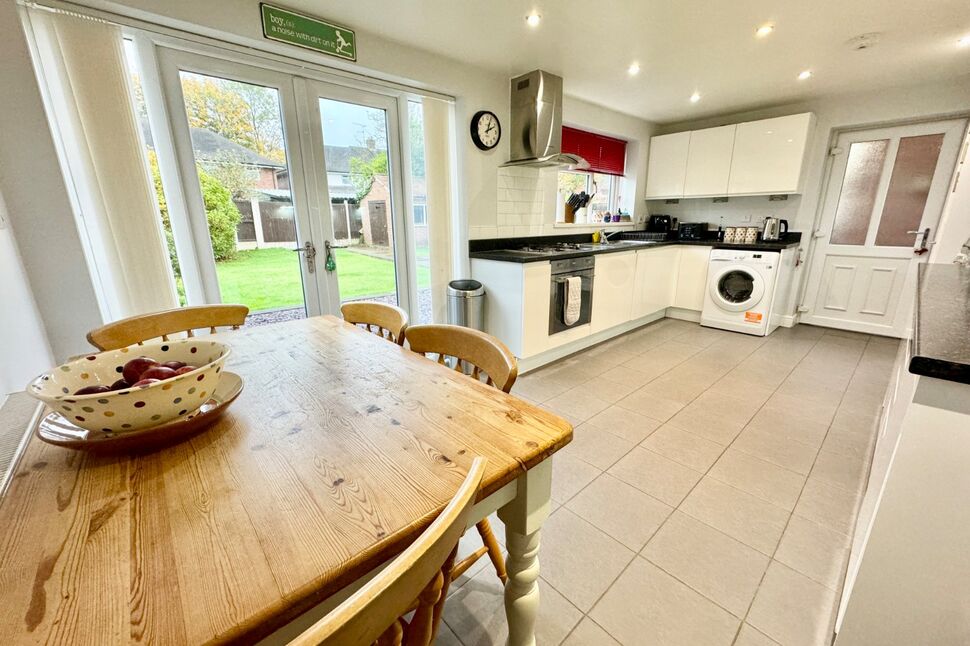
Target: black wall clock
486 130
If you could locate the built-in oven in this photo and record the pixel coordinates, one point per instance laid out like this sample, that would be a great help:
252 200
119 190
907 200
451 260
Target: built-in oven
582 268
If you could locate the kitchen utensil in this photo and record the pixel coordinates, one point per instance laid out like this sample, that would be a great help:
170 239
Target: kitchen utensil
773 229
57 429
693 230
658 223
130 409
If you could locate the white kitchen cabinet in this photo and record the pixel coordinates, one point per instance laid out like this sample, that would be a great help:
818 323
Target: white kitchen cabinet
692 277
709 161
656 280
667 166
613 282
769 155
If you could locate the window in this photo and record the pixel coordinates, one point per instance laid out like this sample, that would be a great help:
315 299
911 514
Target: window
605 189
420 215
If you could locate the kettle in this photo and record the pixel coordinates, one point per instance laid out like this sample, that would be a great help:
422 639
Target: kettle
773 229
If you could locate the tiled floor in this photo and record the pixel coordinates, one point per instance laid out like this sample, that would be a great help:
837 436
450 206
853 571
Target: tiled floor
708 494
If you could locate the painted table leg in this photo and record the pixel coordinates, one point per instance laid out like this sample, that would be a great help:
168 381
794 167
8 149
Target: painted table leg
523 517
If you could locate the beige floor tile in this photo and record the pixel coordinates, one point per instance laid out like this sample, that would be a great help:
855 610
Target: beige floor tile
776 448
846 471
749 636
538 388
650 404
792 609
621 510
678 385
589 633
597 446
851 443
577 404
715 416
762 479
701 336
744 390
752 521
722 569
570 475
648 606
788 425
610 389
684 447
814 550
817 412
476 612
660 358
627 376
578 559
446 637
655 475
828 505
627 424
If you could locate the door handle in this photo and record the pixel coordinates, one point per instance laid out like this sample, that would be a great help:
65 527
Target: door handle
923 238
310 252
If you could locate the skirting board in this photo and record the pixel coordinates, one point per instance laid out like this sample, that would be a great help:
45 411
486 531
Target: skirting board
543 358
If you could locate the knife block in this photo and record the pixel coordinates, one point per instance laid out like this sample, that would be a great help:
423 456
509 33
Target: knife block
569 215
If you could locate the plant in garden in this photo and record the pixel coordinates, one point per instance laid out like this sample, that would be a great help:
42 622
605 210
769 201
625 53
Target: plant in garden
363 171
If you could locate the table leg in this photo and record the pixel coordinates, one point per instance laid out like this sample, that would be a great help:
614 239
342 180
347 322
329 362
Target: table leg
523 517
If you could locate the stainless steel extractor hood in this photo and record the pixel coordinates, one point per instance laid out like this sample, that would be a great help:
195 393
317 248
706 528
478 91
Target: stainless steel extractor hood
535 136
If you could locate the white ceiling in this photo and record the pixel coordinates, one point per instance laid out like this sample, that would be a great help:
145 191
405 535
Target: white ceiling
682 46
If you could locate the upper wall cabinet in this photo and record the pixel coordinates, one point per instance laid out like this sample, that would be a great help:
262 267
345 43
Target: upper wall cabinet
754 158
667 167
709 161
769 155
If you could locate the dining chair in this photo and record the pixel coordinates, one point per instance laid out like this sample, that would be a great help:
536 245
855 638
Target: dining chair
144 327
483 356
388 321
418 579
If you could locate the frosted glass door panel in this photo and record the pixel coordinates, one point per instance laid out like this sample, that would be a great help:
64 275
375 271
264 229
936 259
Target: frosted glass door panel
908 189
860 187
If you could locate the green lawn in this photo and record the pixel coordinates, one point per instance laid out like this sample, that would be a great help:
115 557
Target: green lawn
265 279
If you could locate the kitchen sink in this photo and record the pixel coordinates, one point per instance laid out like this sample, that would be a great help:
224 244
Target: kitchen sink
618 244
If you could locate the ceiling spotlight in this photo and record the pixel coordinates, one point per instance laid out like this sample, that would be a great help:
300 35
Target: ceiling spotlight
805 75
634 69
533 19
764 30
964 42
695 97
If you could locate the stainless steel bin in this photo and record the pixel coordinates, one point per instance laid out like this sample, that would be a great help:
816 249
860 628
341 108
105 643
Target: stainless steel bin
466 304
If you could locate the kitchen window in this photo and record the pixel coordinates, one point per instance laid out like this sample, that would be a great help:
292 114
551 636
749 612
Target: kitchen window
605 189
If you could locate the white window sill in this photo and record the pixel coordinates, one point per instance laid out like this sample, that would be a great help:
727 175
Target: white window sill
598 225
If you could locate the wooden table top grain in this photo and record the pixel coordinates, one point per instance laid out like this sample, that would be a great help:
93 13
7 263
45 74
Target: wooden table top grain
340 450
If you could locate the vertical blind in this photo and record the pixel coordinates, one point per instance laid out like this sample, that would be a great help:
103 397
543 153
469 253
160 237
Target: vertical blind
604 154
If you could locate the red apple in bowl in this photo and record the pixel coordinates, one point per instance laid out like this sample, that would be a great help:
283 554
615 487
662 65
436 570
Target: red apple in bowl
174 365
145 382
185 369
157 372
92 390
133 369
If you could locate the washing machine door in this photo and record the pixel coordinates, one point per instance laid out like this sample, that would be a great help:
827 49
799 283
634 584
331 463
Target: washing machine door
737 288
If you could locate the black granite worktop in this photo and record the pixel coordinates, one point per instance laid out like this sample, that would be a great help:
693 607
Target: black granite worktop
941 334
503 249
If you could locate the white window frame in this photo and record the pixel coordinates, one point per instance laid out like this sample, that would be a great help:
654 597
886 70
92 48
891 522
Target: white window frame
613 202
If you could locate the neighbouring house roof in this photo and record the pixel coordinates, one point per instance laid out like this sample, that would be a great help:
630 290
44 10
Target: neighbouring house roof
213 147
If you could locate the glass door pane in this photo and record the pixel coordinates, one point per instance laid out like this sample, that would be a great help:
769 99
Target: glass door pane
239 149
909 186
860 187
359 174
422 311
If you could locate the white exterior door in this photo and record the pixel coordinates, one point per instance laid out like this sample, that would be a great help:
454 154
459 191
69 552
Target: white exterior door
885 193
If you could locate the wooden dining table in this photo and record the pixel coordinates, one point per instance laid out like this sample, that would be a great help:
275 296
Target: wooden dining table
340 450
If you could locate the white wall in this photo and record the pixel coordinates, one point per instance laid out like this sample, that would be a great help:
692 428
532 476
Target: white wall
834 113
37 200
24 352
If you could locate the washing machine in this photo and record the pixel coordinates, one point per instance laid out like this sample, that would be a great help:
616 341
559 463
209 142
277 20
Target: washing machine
740 291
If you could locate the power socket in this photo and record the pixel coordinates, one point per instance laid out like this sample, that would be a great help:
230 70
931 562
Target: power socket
746 218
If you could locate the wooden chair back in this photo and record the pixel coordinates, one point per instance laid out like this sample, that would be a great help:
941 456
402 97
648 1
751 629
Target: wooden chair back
483 352
374 614
138 329
388 321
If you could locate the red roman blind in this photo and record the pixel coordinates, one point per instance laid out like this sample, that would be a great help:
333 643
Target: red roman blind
604 154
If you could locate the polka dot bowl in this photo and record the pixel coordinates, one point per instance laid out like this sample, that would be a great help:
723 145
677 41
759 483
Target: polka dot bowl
131 409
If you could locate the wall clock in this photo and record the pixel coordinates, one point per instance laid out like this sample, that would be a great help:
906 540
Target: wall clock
486 130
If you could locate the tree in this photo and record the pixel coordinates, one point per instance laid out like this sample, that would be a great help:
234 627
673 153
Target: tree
264 114
212 106
221 214
416 138
363 171
239 178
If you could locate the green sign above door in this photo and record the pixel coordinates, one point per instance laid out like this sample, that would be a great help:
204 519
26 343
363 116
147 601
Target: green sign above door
296 29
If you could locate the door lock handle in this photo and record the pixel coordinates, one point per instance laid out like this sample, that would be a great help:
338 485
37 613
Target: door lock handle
923 238
310 252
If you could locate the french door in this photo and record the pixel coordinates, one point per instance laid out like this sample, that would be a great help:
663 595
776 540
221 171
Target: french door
880 212
294 192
